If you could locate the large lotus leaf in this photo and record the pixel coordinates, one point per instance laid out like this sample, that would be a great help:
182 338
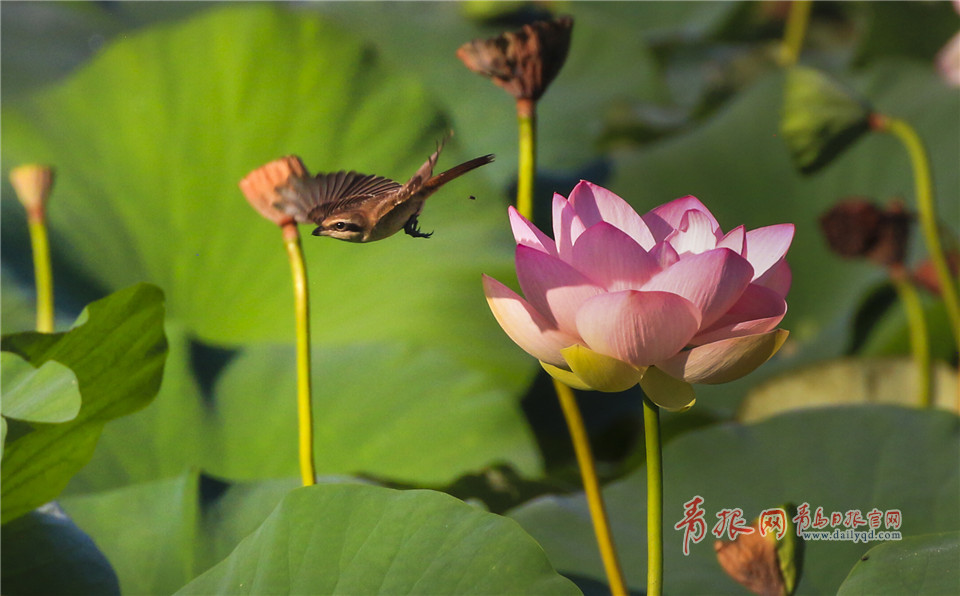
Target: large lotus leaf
841 459
117 353
366 539
397 413
45 394
169 434
237 512
756 185
44 552
148 531
915 565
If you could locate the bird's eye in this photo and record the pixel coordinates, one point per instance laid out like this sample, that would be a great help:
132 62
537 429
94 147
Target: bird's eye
340 225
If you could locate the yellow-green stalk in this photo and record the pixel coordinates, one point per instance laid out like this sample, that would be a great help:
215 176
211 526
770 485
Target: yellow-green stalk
301 299
919 337
651 433
797 20
260 189
32 185
591 487
527 123
926 209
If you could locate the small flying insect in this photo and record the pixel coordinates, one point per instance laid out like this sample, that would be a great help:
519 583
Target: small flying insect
363 208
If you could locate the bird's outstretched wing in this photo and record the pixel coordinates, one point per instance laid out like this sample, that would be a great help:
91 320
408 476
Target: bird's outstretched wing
310 200
423 174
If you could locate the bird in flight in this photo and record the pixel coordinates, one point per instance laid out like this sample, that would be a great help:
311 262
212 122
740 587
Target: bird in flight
362 208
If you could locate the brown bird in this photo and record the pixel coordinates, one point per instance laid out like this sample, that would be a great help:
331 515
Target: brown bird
363 208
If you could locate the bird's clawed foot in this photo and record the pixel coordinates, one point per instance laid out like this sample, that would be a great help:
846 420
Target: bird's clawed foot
412 228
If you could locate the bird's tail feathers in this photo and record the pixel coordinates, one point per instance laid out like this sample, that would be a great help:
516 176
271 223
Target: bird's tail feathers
456 171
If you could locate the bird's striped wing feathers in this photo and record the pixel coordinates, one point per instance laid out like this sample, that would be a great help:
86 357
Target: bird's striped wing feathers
313 199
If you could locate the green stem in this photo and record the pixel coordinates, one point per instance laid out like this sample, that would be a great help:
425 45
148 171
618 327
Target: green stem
796 29
927 212
591 486
919 338
527 166
42 272
651 431
291 238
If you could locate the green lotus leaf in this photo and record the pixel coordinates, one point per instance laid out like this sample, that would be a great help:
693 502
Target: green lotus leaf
924 564
366 539
46 394
117 352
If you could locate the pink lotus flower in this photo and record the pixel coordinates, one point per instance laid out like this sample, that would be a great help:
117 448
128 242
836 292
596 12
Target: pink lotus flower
665 299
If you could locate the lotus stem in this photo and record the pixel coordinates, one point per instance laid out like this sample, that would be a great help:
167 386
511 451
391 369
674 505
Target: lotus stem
926 209
43 273
651 428
588 472
797 20
919 338
527 166
291 239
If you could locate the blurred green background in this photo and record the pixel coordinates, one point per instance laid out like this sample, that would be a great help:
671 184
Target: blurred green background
152 112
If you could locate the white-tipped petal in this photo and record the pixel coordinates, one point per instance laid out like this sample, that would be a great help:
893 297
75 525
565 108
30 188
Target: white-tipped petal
696 233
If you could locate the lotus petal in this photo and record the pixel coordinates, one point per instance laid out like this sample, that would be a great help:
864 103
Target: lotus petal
766 246
778 278
612 259
726 360
567 227
666 218
712 280
735 240
664 254
525 326
695 234
554 288
758 310
599 371
565 376
527 234
594 204
665 391
638 327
